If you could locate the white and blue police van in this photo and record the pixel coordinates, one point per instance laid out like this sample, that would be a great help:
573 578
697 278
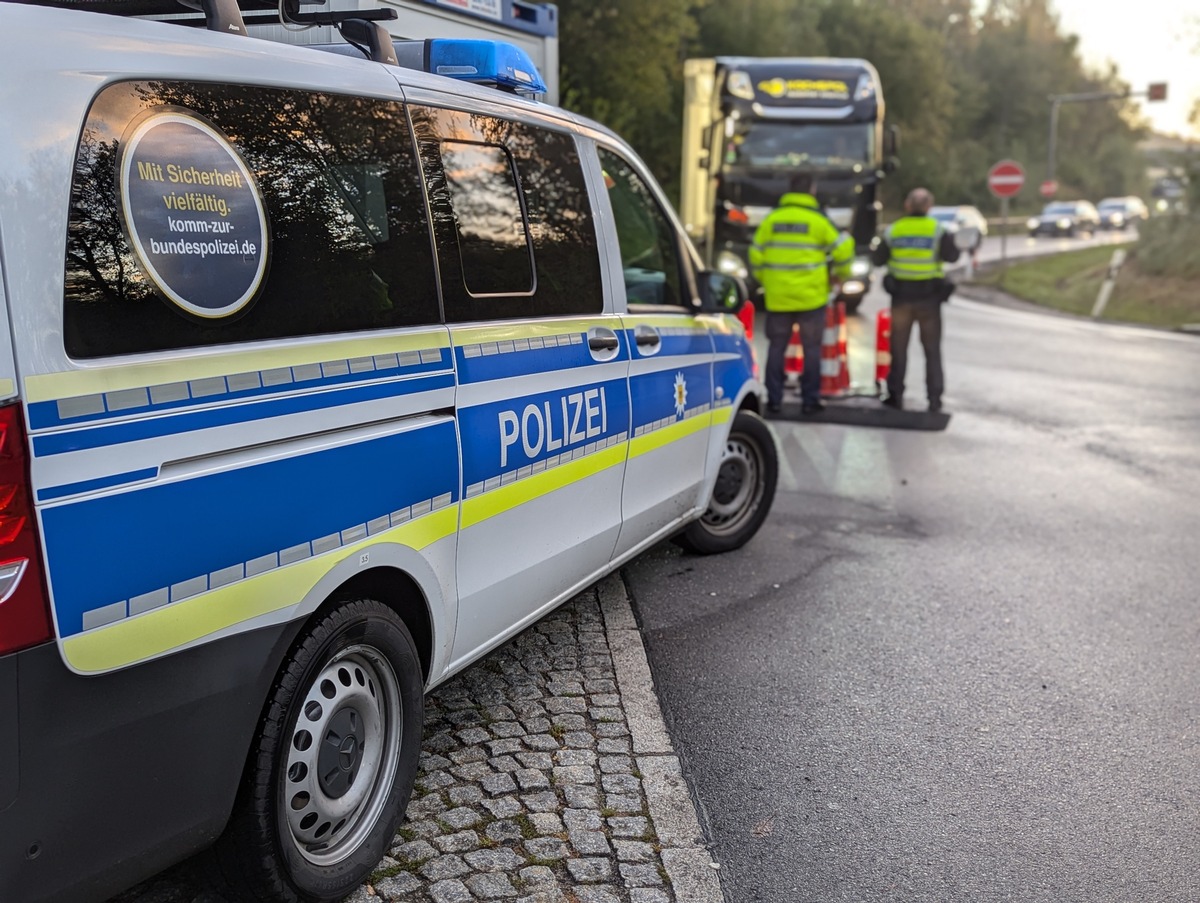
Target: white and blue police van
320 377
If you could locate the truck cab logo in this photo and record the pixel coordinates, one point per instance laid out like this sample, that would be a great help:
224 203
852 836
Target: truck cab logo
805 89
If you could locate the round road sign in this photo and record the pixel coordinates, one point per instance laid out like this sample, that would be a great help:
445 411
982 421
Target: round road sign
1006 178
1049 188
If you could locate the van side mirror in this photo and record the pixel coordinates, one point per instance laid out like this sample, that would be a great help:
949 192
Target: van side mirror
721 293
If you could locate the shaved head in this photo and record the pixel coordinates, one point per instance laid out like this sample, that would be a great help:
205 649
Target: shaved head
918 202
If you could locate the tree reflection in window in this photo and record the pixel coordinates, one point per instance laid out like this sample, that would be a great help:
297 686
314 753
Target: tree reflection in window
561 230
496 257
349 237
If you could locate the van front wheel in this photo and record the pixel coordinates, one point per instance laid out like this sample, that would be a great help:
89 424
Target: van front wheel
744 490
333 763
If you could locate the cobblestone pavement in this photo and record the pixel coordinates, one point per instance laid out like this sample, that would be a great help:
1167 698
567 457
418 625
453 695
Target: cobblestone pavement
546 777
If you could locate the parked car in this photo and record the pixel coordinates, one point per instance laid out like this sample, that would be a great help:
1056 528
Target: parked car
968 223
1065 218
1119 213
320 377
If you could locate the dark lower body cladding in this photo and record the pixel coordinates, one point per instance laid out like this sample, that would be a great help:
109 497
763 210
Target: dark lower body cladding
107 780
926 314
779 333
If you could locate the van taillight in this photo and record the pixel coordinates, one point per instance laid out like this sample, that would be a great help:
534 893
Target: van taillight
24 607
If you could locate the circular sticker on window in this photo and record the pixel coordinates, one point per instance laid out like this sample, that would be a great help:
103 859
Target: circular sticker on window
193 214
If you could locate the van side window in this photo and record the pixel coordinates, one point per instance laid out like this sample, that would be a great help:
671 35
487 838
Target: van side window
493 237
478 236
649 248
340 207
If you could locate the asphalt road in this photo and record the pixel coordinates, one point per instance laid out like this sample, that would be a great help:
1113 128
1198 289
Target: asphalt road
960 665
1024 246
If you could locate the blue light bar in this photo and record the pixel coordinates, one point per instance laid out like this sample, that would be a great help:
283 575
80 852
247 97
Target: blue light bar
484 62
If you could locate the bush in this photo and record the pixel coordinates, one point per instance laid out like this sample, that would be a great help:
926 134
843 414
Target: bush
1167 246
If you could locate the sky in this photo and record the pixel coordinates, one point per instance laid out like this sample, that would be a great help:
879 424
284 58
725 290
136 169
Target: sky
1150 41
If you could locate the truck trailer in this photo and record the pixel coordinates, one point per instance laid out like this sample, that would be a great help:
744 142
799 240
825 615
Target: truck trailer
751 123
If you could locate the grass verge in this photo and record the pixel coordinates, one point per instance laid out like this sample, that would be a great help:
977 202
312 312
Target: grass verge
1070 282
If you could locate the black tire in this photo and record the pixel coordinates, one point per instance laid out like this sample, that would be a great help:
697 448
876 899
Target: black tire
744 490
852 305
313 817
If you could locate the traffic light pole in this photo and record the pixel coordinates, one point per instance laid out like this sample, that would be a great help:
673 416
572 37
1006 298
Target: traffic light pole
1057 100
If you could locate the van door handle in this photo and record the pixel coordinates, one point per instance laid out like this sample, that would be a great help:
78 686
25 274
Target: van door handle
647 338
604 343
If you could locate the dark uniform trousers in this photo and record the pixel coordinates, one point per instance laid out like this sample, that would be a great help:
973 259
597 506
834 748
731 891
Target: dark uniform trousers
779 333
927 314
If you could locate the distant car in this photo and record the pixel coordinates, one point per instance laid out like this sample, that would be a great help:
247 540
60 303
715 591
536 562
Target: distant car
1065 218
969 224
1118 213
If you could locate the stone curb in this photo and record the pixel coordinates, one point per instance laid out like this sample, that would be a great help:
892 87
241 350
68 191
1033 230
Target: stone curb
687 861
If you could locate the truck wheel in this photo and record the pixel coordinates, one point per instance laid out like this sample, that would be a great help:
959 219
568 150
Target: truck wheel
333 763
743 492
852 305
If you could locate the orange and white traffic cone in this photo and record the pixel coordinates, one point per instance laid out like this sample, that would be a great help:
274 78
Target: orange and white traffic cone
793 357
831 364
843 355
883 347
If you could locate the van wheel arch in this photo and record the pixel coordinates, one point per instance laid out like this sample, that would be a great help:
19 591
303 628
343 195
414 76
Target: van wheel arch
398 591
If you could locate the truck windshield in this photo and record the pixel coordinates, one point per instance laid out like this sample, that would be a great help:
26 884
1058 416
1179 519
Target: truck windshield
791 145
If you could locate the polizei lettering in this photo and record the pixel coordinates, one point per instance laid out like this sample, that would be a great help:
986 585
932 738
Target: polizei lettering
551 425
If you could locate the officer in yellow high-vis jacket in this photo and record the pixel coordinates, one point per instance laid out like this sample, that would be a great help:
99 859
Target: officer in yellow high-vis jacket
791 256
914 249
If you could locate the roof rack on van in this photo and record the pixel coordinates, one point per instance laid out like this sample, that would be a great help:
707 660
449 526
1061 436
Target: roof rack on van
360 27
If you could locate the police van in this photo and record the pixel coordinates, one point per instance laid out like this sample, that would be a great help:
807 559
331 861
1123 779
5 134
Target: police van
320 377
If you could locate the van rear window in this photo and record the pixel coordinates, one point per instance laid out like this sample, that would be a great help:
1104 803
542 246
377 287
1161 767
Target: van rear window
206 214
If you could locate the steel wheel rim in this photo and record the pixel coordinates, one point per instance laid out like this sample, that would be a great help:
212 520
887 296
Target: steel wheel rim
335 789
738 490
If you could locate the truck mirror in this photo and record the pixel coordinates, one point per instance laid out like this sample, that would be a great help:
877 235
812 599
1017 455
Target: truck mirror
891 141
891 164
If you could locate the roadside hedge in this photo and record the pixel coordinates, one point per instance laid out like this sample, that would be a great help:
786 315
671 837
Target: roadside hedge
1167 247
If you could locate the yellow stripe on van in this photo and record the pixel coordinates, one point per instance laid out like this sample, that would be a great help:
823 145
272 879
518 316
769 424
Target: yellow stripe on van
7 388
135 375
165 629
648 442
497 501
505 332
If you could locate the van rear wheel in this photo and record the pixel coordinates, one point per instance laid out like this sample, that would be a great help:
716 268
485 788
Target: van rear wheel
333 763
744 490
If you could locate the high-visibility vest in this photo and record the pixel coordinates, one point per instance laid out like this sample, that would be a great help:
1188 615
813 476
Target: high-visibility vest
792 252
914 244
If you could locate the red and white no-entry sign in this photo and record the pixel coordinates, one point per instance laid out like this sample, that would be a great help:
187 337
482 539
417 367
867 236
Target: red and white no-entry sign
1006 178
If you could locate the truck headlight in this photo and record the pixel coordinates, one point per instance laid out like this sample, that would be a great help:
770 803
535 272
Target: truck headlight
731 265
853 287
860 268
1064 223
1032 223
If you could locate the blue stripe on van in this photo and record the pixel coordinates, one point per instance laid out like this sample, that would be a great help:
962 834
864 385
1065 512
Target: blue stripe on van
479 366
653 394
114 548
100 436
45 414
116 479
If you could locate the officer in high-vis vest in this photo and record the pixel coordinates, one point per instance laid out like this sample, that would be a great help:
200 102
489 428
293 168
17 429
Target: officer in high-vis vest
914 248
791 256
